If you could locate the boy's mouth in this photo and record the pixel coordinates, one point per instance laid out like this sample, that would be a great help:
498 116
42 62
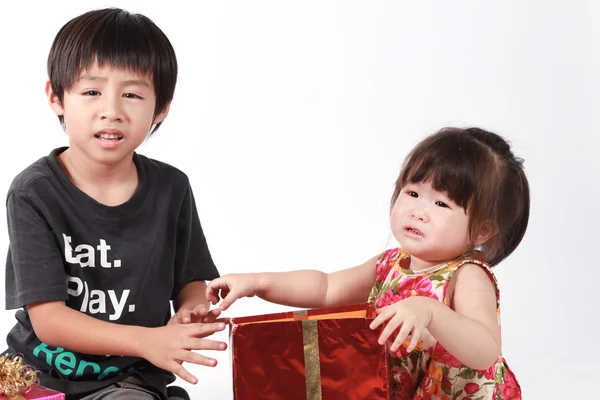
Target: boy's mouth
107 136
112 134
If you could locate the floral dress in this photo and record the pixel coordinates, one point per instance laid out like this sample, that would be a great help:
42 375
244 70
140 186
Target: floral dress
429 371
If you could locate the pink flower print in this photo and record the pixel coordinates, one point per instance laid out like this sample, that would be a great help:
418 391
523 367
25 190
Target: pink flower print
382 270
510 387
417 286
443 357
490 373
385 263
388 298
471 388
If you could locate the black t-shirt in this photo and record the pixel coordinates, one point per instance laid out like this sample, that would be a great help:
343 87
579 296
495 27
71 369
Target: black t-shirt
119 264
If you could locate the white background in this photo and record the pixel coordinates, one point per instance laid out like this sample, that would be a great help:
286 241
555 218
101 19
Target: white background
292 120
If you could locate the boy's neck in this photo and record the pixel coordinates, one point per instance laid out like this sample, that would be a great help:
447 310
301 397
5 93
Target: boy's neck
109 184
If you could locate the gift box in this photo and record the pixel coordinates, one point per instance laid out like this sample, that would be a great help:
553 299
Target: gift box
37 393
320 354
19 381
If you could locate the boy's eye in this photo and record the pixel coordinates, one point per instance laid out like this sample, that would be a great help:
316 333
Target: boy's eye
441 204
131 96
91 93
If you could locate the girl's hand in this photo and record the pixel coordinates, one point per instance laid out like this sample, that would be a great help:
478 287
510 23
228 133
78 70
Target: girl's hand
232 287
413 314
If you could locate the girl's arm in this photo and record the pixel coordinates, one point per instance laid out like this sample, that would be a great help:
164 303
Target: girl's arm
469 330
303 289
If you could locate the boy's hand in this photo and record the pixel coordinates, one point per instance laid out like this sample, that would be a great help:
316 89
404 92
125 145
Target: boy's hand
413 314
167 347
232 287
199 314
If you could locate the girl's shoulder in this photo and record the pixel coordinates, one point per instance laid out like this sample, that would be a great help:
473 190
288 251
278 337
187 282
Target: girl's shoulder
469 259
393 255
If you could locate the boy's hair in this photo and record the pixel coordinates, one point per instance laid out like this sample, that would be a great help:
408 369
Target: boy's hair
478 171
116 38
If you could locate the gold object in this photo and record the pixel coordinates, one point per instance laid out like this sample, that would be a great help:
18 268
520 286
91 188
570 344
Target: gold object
310 336
16 378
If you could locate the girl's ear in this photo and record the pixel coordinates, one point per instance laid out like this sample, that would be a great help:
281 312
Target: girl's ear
487 230
54 101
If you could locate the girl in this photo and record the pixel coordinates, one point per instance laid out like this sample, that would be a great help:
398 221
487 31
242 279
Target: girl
460 206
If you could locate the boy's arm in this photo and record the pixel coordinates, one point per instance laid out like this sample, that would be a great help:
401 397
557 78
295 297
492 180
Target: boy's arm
304 288
193 262
191 296
60 326
36 278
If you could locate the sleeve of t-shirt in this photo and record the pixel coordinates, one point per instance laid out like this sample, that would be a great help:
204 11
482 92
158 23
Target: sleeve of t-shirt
34 265
193 261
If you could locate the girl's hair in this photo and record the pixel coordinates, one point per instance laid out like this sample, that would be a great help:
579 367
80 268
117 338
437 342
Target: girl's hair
479 172
116 38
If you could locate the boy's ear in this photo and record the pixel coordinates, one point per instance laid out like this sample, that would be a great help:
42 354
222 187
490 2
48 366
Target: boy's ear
162 115
487 230
53 100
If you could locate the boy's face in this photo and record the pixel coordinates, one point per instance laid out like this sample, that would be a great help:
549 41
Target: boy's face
108 112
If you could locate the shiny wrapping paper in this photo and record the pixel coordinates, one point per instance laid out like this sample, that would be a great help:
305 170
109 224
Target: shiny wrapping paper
37 393
320 354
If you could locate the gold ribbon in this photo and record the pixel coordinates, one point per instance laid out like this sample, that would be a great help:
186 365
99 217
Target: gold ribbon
16 377
310 338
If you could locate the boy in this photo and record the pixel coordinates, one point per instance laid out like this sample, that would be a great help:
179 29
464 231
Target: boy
102 238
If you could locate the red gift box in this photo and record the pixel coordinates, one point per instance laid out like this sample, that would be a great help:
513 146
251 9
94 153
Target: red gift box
327 353
37 393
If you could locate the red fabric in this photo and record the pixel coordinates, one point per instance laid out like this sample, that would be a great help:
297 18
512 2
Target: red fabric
268 358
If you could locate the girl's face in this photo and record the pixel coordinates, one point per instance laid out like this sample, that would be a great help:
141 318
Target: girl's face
429 226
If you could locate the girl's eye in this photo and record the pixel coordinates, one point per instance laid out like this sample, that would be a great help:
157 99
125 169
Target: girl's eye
131 96
412 194
91 93
441 204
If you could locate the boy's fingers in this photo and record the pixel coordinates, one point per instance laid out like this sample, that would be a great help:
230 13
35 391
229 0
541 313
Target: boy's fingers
184 316
200 310
181 372
198 359
202 330
205 344
209 319
174 320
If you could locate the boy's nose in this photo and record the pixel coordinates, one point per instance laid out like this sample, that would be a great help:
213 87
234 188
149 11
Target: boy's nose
111 110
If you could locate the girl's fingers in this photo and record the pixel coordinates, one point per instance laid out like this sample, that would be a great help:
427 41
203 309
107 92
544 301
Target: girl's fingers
404 332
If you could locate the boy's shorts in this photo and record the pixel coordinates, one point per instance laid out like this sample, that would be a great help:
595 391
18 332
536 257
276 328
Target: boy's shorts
130 388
